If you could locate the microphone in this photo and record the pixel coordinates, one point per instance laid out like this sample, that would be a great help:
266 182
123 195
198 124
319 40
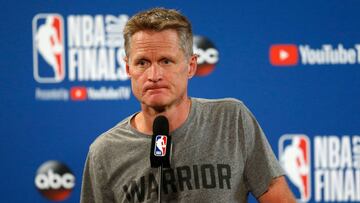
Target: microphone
160 143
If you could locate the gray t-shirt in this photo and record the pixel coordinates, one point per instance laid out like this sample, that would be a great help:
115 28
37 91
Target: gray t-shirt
218 155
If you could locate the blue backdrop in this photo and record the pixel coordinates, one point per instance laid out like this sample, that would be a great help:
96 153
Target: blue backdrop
310 90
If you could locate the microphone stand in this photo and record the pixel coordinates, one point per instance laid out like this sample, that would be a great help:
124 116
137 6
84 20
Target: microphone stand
160 182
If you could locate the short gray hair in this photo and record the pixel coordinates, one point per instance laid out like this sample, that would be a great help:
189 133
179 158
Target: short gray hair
159 19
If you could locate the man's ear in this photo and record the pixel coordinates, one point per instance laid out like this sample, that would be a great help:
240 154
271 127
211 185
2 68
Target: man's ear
192 66
126 59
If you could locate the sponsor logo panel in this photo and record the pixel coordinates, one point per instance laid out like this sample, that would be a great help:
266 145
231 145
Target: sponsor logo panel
335 171
94 53
54 180
326 54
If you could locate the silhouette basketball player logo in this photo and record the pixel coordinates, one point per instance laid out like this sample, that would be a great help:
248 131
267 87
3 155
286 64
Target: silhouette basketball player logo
48 44
294 158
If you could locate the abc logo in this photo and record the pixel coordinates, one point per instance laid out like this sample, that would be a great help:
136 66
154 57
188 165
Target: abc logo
208 55
54 180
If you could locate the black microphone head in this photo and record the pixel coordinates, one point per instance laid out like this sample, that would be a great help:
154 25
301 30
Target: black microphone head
160 143
161 126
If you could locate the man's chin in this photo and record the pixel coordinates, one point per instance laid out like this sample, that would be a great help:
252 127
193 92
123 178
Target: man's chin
159 109
158 105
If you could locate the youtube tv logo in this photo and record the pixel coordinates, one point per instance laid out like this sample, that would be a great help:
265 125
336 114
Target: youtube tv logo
283 55
78 93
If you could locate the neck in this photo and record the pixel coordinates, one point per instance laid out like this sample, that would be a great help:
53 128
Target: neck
176 114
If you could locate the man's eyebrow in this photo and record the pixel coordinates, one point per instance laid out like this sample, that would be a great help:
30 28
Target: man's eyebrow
140 57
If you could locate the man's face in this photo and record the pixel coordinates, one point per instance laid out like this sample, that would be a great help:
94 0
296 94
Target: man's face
158 68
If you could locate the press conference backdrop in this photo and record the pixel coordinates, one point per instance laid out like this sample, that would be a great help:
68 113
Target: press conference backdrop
296 65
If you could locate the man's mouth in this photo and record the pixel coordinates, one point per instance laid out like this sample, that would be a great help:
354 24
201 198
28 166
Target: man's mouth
154 88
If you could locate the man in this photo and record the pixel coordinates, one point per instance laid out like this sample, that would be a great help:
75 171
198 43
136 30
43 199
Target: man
219 151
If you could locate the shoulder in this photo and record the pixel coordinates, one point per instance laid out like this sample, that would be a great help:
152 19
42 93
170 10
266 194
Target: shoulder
231 110
102 144
230 105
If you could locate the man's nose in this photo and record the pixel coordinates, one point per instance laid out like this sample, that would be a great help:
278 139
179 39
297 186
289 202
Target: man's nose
155 73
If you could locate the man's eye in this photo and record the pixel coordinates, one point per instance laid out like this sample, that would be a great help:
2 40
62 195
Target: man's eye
142 63
166 61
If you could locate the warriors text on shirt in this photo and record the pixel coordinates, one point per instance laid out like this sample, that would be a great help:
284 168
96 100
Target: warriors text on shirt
206 176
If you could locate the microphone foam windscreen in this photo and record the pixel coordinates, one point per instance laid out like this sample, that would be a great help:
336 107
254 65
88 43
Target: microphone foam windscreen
161 126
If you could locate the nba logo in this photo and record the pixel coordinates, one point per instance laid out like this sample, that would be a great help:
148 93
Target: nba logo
160 145
294 157
48 48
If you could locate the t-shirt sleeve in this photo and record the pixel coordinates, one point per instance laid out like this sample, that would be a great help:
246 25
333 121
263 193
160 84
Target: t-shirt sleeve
94 188
261 165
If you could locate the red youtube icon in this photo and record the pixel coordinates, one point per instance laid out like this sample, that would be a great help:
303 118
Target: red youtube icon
78 93
283 55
